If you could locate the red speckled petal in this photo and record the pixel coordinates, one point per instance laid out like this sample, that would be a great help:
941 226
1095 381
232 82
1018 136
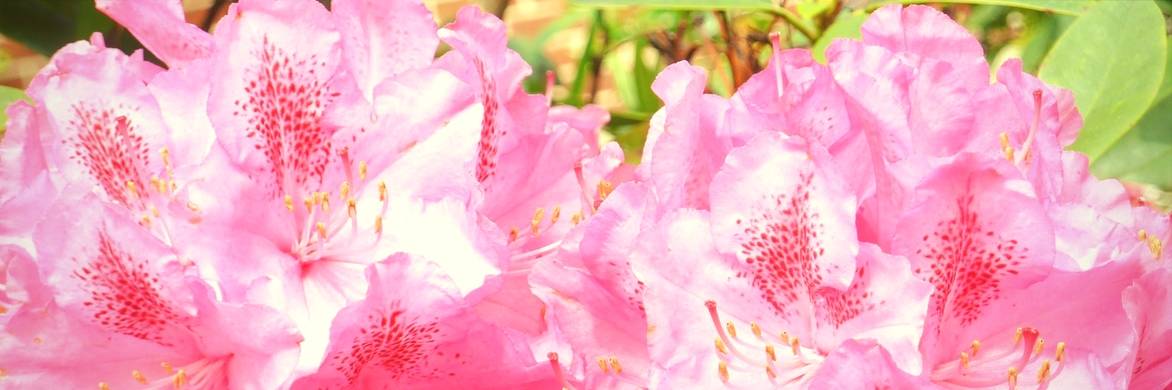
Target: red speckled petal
788 221
269 92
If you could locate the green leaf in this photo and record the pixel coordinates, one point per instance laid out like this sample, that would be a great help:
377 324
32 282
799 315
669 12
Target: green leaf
7 96
682 4
1112 58
848 25
1070 7
1145 153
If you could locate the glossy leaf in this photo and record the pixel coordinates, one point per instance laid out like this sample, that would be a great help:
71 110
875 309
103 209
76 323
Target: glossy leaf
7 96
848 25
1145 153
1113 59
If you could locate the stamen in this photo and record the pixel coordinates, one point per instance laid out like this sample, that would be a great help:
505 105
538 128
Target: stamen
382 191
103 386
351 208
1017 336
325 202
1143 235
166 154
770 373
614 365
132 187
784 337
378 224
1044 372
770 352
576 218
321 230
602 365
557 371
720 347
535 223
722 368
344 191
553 216
180 379
1012 378
158 185
1060 351
732 330
513 234
755 328
796 346
309 203
362 170
138 377
604 190
289 202
976 346
167 368
964 361
1041 343
779 78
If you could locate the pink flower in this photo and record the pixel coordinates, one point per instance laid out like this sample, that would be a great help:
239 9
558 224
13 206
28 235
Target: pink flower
1149 305
127 312
413 330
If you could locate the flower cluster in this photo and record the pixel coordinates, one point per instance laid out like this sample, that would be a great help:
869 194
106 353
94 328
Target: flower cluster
311 198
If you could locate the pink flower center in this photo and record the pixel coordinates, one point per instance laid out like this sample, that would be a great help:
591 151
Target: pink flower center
124 295
393 344
1026 362
780 357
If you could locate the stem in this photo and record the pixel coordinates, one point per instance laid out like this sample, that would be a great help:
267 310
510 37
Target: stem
794 20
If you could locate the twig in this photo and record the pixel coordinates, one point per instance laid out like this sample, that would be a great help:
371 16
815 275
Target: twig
797 23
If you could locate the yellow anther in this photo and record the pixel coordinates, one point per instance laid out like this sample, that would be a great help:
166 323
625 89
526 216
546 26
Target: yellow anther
158 185
378 224
1044 371
575 219
784 338
553 216
325 202
362 170
382 191
976 346
732 329
614 365
1060 351
1156 246
351 208
964 360
1017 336
166 154
38 340
344 191
1004 137
1008 153
180 379
795 345
1041 343
602 365
755 328
321 230
309 203
139 377
720 347
146 221
1143 234
132 187
167 367
604 189
535 223
193 207
174 186
103 386
513 234
722 368
770 352
769 372
289 202
1012 377
155 211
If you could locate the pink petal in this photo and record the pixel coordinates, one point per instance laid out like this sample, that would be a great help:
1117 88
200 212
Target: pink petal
160 26
383 39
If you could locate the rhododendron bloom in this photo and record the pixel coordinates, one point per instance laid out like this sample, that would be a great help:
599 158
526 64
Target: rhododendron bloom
308 197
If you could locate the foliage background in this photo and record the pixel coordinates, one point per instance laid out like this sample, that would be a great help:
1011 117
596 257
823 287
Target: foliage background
1112 53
